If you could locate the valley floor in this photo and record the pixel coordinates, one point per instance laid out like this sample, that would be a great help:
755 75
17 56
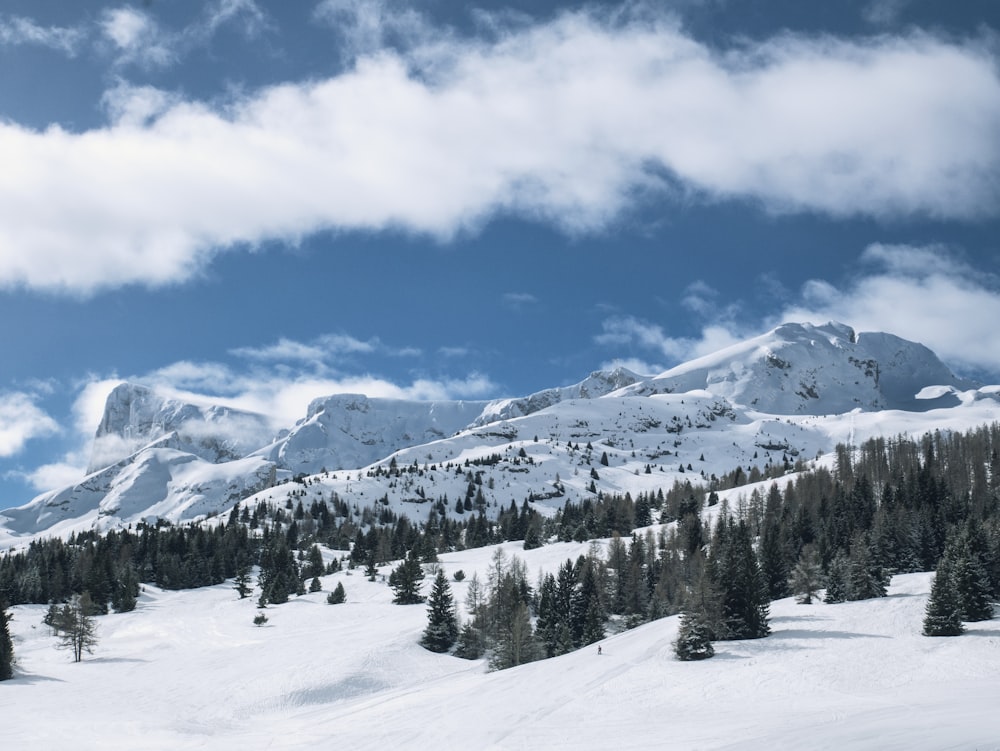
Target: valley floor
189 670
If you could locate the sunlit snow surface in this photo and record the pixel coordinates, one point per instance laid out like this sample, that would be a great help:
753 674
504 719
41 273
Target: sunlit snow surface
189 670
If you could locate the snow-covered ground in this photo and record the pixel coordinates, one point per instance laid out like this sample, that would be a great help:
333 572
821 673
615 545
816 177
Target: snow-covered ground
189 670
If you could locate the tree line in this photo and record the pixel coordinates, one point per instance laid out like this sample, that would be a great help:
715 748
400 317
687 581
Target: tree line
891 505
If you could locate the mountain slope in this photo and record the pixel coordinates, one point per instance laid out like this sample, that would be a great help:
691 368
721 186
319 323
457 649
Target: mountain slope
790 394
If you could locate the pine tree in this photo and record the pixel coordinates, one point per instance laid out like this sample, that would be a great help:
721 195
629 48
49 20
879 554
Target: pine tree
242 583
836 580
6 645
807 576
772 562
737 575
865 578
442 624
969 578
694 638
338 595
470 645
515 643
943 616
405 581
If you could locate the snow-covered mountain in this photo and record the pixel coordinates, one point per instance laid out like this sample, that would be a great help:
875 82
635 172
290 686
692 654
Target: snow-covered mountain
351 430
597 384
792 393
136 416
800 369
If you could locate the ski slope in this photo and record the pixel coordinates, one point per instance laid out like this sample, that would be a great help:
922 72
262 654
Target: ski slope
189 670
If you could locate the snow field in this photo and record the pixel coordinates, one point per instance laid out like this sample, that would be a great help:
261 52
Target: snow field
189 670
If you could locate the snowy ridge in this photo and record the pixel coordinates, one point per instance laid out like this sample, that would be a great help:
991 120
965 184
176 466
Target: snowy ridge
597 384
351 430
799 368
790 394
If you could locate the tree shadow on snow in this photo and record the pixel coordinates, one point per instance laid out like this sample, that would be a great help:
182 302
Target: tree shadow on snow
20 677
799 618
115 659
981 632
799 633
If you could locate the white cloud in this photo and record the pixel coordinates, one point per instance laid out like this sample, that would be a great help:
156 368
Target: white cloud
17 30
56 475
518 300
318 351
21 419
628 331
569 121
367 26
137 37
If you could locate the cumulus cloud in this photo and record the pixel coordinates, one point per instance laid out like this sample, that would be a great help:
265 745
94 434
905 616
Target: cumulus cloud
570 121
21 419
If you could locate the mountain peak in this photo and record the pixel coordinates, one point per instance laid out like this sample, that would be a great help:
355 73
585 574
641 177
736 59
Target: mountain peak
803 368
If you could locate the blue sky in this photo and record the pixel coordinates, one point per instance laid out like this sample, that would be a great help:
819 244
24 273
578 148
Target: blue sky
266 202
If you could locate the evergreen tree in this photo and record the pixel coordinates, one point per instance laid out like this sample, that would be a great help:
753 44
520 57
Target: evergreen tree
694 638
836 580
338 595
865 578
442 624
969 578
6 645
515 643
242 583
807 576
126 591
744 602
943 616
405 581
772 561
315 585
470 645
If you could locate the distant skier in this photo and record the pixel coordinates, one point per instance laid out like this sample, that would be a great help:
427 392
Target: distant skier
598 649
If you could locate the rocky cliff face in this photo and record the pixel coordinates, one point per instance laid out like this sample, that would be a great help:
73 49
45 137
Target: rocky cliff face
136 416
